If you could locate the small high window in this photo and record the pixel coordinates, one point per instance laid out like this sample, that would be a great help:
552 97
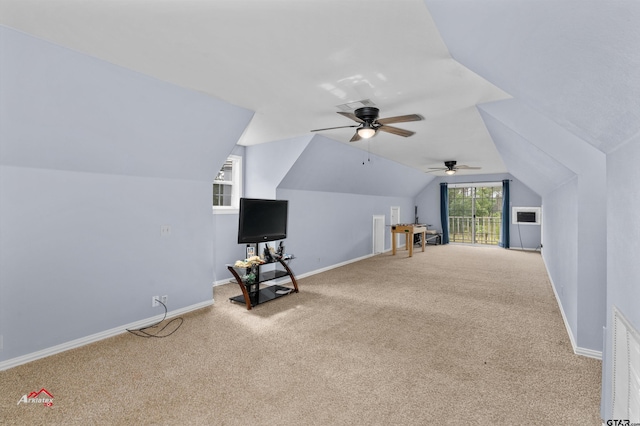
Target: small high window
227 186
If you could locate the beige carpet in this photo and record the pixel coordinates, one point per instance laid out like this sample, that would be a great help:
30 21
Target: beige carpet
454 335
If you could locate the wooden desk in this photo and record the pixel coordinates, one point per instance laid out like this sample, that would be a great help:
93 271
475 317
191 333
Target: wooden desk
409 231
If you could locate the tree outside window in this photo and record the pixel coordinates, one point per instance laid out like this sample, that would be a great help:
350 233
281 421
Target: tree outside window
475 214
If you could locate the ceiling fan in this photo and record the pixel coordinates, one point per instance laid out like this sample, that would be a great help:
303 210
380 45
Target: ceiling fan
451 168
370 124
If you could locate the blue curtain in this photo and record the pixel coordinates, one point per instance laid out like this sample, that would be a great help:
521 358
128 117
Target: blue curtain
506 217
444 211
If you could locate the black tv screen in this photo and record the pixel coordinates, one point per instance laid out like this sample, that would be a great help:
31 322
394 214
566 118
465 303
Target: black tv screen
262 220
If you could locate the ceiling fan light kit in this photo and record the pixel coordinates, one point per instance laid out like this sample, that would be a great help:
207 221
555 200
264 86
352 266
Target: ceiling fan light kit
366 131
370 124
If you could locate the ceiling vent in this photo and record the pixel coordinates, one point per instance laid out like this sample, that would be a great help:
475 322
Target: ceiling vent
352 106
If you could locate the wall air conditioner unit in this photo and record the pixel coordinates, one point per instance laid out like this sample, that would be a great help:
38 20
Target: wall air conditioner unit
626 369
526 215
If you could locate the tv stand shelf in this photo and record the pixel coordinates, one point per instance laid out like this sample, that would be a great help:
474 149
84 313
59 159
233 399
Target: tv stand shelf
252 295
272 275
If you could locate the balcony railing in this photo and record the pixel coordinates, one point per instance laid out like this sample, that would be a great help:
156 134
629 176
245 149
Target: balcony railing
487 229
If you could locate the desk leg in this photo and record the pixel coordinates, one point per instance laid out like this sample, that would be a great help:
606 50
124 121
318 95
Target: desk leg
410 234
393 243
423 238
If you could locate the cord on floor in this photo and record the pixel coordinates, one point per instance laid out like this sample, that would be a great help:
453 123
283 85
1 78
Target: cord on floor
142 332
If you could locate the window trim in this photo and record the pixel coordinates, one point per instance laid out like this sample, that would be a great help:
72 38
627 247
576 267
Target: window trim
236 187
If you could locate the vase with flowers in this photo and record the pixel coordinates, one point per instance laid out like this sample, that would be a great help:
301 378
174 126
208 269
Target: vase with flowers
251 271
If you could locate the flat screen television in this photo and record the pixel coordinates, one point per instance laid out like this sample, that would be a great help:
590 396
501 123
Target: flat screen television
262 220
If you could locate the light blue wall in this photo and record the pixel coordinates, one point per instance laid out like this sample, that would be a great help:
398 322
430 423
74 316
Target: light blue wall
577 67
331 189
84 251
332 196
225 245
263 168
623 246
329 228
225 234
267 164
527 236
330 166
556 154
94 159
561 254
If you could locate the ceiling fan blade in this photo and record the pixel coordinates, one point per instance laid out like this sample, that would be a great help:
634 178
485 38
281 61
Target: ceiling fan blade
462 166
351 116
437 168
331 128
396 131
401 119
356 137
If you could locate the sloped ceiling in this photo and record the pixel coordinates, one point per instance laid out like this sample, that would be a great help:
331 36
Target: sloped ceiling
101 118
329 166
528 163
575 61
292 63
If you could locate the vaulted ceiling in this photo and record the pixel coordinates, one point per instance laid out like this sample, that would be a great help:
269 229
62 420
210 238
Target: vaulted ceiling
572 62
576 62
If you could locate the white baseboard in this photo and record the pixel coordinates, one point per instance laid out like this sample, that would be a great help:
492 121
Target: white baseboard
306 274
337 265
576 349
524 249
229 280
590 353
14 362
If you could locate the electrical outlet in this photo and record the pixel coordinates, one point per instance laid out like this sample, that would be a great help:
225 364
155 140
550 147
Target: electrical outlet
164 299
154 301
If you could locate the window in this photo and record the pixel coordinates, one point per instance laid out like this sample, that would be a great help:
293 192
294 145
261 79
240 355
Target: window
475 213
227 186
